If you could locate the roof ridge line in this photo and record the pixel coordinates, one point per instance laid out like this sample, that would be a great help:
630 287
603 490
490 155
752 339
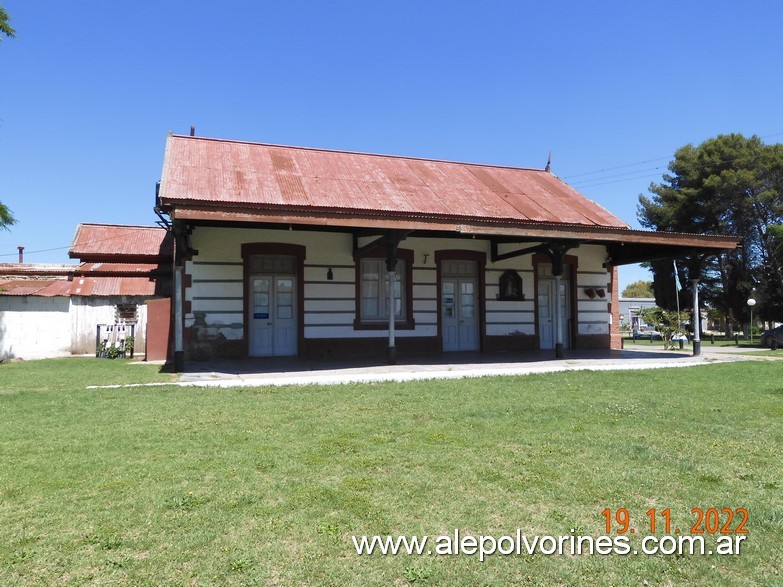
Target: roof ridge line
347 152
121 225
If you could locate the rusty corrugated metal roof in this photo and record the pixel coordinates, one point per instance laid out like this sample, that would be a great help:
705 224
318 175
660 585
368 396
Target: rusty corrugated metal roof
112 286
116 269
96 242
210 172
80 286
35 269
38 287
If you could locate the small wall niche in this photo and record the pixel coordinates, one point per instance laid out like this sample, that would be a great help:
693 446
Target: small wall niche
511 287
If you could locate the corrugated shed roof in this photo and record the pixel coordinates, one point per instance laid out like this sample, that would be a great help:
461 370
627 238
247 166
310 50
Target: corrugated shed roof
87 279
35 269
116 269
38 287
109 241
80 286
112 286
211 172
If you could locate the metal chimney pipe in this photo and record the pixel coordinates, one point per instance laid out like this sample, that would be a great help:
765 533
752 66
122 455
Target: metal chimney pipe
21 254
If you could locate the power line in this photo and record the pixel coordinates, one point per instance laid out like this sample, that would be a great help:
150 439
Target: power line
627 175
600 183
34 252
638 163
615 168
101 240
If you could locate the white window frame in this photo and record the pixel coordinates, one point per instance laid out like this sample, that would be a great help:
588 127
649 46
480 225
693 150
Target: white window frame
380 295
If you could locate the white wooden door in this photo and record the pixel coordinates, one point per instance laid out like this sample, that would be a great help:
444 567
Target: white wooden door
546 313
272 316
546 317
459 314
284 325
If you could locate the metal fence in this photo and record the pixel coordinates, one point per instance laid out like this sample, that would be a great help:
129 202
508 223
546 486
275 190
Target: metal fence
115 340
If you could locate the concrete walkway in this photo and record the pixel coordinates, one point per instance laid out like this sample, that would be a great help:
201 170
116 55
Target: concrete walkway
296 371
293 371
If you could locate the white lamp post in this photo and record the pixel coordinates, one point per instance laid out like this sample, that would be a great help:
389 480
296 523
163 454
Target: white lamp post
751 303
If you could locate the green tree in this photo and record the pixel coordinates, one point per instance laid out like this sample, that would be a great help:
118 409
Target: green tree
774 303
5 28
666 322
6 218
729 185
638 289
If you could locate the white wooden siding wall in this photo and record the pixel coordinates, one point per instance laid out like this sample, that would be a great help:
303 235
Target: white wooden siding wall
594 316
507 317
34 327
425 294
217 292
88 312
329 305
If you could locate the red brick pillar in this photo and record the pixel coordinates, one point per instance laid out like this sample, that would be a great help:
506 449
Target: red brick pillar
615 338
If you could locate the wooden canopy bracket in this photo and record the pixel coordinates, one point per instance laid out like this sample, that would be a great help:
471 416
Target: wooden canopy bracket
388 242
556 250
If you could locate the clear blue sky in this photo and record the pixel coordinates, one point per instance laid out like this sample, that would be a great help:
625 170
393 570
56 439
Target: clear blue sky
90 88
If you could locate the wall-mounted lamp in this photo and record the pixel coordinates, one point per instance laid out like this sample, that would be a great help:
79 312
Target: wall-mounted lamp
601 292
329 275
590 292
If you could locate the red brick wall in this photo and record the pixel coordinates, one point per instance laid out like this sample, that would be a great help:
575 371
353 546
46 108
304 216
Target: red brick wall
615 338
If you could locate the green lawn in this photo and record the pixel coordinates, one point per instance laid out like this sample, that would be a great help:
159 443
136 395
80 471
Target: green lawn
720 341
184 486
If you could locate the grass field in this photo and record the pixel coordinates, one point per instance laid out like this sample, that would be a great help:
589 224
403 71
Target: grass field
182 486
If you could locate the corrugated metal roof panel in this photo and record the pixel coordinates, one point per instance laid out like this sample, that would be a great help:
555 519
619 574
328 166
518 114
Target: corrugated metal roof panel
109 240
37 287
85 285
112 286
43 269
95 268
214 172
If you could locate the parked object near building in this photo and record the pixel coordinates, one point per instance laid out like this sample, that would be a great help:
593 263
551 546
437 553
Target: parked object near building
772 337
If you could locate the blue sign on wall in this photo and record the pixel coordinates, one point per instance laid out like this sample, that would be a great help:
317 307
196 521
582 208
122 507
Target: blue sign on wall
261 316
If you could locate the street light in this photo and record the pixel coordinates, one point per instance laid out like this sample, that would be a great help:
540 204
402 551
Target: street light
696 319
751 303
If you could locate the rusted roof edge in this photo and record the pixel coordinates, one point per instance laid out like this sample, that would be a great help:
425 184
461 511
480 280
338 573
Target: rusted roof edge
478 227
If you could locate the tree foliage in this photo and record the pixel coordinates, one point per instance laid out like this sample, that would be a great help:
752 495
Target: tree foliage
5 27
729 185
666 322
6 218
638 289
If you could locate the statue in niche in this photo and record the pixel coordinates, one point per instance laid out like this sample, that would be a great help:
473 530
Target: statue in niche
511 286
